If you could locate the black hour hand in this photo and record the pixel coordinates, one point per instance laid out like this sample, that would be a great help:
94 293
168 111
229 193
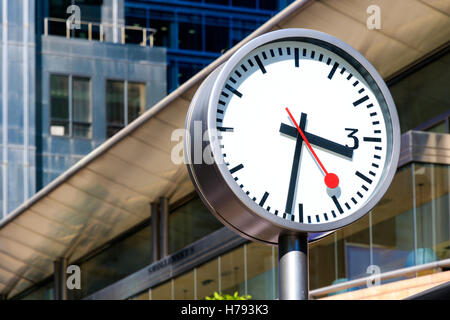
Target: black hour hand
319 141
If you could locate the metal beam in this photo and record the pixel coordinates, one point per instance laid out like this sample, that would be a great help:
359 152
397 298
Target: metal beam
164 226
60 279
154 216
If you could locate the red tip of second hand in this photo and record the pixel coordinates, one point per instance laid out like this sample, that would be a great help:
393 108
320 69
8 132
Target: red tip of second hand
331 180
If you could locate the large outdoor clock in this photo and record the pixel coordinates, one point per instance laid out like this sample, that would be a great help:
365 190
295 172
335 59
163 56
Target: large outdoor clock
302 135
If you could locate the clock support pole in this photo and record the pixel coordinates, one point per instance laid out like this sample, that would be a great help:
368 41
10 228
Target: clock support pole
293 266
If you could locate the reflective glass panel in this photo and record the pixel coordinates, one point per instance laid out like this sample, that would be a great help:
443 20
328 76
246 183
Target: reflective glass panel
59 105
114 106
207 279
136 100
81 106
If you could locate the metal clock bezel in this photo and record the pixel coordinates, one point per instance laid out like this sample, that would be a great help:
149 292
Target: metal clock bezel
230 191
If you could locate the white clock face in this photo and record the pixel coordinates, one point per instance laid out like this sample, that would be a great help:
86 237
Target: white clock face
337 111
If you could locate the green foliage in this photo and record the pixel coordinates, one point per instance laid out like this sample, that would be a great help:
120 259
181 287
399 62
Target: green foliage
235 296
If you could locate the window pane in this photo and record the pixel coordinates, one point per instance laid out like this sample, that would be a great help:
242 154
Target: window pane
136 100
162 38
59 105
114 106
81 104
244 3
268 5
190 222
432 212
207 279
187 71
216 34
260 272
184 287
116 262
190 34
232 272
423 95
162 292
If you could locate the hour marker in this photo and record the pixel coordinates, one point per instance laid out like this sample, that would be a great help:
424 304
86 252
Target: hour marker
355 83
276 212
219 111
347 205
349 76
372 173
233 90
260 65
238 167
375 123
296 57
238 73
354 201
326 217
219 120
320 57
264 198
375 165
225 129
377 157
361 90
292 217
342 70
312 54
359 101
362 176
373 114
333 70
264 55
300 212
232 80
359 194
337 204
243 68
333 213
268 209
378 148
226 95
254 198
288 51
376 131
250 62
304 52
309 219
317 218
370 105
241 186
328 61
236 178
280 52
272 53
364 187
222 102
372 139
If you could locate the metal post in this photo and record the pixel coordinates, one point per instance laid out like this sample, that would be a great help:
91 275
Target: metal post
154 216
164 226
60 279
293 266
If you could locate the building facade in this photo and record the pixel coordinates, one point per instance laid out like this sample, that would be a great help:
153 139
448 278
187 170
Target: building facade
197 32
67 93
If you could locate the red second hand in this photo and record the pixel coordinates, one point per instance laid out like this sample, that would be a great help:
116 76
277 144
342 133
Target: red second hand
331 179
